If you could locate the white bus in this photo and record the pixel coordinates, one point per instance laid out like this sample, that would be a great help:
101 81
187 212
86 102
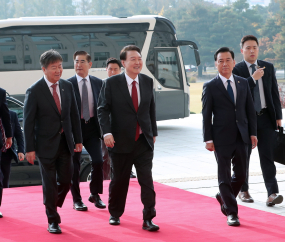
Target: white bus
23 40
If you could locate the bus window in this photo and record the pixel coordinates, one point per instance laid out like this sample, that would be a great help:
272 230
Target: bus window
168 71
11 53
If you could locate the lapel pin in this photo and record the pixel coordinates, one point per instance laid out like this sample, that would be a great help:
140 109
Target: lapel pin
62 90
238 81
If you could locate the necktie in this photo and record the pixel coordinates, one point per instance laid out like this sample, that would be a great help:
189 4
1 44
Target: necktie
55 97
230 91
3 149
84 101
136 105
256 94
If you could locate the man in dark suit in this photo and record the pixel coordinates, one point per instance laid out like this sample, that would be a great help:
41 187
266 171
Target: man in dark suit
6 126
127 117
12 153
51 127
87 89
263 85
229 128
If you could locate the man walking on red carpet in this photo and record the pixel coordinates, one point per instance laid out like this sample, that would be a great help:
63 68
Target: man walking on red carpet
229 127
51 126
126 113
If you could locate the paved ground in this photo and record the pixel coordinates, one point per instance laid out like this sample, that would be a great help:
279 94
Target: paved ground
182 161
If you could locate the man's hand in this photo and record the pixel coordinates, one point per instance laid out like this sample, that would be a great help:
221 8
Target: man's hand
258 74
253 141
31 156
109 140
154 139
9 142
279 122
78 147
21 156
210 146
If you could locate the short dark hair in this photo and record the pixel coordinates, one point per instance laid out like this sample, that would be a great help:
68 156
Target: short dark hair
123 54
114 61
246 38
49 57
223 50
82 52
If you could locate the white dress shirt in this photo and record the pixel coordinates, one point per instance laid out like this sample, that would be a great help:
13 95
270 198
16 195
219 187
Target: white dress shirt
51 89
233 84
260 84
90 94
130 87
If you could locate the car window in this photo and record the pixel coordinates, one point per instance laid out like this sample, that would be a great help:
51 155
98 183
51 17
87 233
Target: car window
16 108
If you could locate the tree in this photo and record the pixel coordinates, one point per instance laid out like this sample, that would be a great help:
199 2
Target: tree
7 9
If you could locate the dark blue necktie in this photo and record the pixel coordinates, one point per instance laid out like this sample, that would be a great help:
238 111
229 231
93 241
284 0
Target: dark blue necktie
230 91
256 93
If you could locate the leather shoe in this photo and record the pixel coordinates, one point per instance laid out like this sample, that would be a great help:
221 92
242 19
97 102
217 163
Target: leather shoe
97 201
114 221
54 228
1 216
245 197
219 198
274 199
233 220
132 175
79 206
149 225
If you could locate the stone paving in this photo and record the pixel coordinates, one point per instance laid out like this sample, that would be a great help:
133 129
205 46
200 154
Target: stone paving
181 160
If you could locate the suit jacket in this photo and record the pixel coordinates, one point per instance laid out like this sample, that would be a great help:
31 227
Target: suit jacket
222 119
43 122
118 116
96 85
4 115
270 87
18 135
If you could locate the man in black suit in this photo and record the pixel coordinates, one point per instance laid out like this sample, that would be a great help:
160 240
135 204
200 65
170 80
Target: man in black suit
127 117
6 126
12 153
263 85
51 127
87 89
229 128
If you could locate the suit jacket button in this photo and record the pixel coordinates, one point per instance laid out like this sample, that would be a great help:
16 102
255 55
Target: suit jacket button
237 120
235 110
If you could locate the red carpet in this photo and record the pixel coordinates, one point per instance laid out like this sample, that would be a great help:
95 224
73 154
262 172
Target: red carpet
181 215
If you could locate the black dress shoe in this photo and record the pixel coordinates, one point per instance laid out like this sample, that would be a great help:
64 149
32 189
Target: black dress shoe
132 175
54 228
1 216
114 221
97 201
149 225
79 206
220 200
233 220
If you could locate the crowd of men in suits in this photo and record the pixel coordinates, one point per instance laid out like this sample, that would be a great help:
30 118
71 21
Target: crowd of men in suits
241 110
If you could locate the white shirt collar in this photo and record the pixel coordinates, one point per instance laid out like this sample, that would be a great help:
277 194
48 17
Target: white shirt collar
249 64
224 80
130 80
48 82
79 78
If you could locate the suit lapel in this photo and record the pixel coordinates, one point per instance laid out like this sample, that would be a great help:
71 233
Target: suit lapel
45 90
76 92
142 90
238 88
95 91
125 91
245 69
63 96
220 85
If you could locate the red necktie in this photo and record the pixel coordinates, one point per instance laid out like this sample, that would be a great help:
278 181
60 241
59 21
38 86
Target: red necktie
55 97
3 136
136 105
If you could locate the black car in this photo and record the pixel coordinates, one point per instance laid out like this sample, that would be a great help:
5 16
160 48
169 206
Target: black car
25 174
